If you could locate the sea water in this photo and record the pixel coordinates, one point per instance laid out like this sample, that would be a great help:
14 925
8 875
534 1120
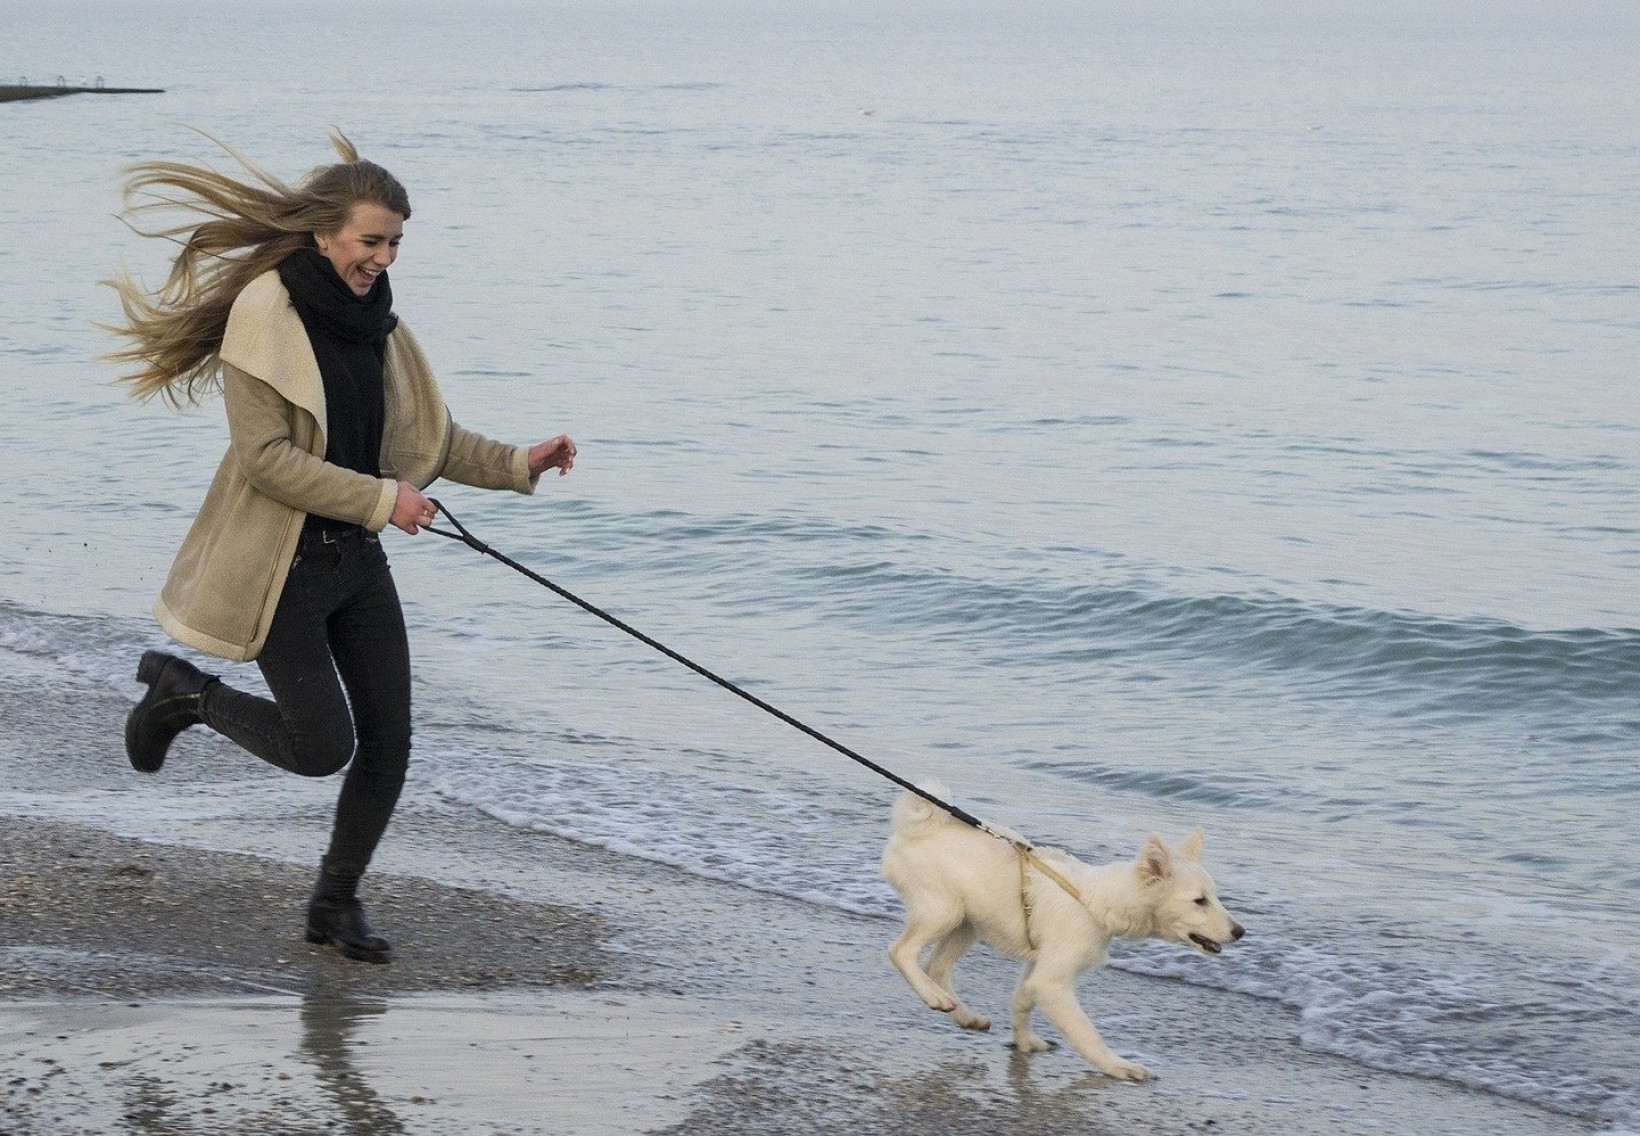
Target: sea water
1133 416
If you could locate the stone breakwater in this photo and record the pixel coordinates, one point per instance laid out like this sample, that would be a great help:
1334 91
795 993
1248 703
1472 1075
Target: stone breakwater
20 91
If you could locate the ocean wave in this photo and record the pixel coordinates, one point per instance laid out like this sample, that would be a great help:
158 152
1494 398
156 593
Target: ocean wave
1404 1017
1036 616
770 839
61 648
1216 788
1429 664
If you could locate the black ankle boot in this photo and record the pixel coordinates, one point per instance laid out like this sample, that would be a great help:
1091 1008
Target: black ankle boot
171 705
335 915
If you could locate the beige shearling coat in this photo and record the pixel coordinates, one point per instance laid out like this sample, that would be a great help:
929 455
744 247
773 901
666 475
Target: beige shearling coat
227 577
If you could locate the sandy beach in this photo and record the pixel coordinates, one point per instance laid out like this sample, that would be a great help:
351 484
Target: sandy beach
160 989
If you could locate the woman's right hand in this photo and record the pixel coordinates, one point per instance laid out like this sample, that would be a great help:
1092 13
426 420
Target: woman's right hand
412 512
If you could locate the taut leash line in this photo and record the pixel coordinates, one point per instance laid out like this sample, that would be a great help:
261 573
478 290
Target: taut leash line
968 818
1024 848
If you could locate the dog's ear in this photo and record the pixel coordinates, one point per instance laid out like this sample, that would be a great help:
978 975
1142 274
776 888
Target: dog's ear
1191 849
1155 861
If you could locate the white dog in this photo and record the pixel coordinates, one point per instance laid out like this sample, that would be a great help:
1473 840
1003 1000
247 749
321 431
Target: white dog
961 884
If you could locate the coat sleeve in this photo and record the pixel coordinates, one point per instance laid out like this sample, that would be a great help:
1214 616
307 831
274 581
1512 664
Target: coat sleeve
262 425
476 460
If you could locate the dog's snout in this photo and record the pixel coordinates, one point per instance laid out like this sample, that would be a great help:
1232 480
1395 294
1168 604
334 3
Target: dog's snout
1237 931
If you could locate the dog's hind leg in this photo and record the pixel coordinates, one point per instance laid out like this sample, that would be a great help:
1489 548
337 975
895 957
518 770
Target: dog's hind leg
922 929
1053 989
944 956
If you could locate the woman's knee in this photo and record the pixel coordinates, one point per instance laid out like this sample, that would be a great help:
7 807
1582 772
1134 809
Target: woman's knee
322 754
322 741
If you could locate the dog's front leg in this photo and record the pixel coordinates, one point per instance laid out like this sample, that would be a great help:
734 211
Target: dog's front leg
1053 989
1026 1039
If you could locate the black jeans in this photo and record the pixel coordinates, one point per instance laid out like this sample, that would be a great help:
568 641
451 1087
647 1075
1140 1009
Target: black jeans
338 625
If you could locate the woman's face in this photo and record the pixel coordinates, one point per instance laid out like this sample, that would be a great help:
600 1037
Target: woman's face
364 247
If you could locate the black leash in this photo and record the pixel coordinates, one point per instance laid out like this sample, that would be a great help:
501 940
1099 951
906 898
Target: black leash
477 545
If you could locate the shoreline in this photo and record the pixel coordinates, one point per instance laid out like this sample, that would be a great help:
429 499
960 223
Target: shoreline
654 1001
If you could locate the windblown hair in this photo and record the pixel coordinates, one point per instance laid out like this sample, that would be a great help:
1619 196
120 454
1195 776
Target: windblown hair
175 332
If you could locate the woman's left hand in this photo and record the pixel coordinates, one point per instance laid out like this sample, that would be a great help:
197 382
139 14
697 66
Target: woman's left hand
555 453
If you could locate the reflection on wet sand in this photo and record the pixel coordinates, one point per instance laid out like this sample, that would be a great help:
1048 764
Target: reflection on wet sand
329 1024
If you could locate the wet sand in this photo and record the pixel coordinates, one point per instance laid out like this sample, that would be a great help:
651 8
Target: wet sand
546 987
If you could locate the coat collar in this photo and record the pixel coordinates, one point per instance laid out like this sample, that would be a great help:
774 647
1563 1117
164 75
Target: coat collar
265 338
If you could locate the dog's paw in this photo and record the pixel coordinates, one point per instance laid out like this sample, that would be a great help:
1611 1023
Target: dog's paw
1127 1070
941 1005
1031 1043
967 1019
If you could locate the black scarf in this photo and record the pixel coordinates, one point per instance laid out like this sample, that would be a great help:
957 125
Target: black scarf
349 337
323 297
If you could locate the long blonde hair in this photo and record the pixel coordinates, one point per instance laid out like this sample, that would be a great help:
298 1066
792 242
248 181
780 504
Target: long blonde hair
175 331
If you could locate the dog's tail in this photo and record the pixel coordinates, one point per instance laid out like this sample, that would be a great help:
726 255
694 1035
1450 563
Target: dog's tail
912 812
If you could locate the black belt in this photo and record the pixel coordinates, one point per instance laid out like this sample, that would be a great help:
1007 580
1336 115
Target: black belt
322 530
